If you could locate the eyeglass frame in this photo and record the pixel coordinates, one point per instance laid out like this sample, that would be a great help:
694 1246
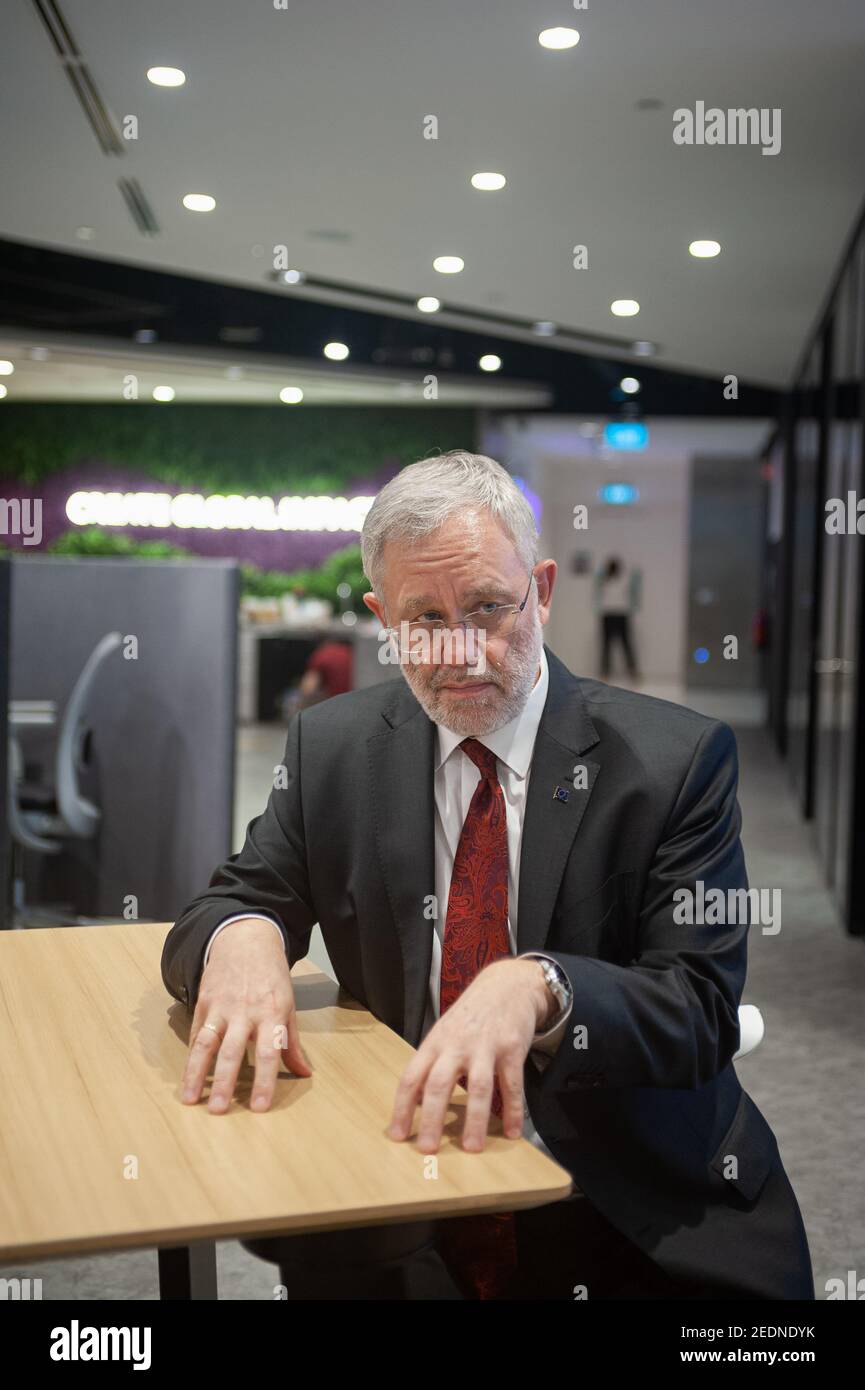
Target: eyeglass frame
502 607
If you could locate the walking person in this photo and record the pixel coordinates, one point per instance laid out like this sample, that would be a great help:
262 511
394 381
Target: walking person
617 598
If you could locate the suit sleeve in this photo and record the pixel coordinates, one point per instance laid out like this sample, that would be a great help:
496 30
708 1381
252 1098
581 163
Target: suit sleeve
269 876
670 1018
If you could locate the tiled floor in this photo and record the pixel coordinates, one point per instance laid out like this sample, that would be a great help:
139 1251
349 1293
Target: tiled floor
806 1076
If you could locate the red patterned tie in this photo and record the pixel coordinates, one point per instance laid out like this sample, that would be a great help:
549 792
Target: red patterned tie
480 1250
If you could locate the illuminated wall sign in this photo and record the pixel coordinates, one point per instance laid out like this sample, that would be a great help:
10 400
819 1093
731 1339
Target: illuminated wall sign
618 494
217 513
622 434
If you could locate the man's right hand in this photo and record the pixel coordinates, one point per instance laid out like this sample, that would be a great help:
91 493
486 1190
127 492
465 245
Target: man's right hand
245 991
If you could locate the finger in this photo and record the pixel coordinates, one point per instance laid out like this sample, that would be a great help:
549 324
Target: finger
293 1054
232 1052
510 1077
268 1052
437 1094
408 1094
202 1050
481 1081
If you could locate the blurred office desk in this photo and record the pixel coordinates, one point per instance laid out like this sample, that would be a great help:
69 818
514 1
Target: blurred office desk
99 1153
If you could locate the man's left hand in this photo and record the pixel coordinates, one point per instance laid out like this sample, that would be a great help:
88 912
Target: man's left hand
485 1034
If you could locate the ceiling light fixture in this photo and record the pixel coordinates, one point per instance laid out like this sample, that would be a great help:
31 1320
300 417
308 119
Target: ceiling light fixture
704 250
199 202
291 395
624 308
488 182
559 38
428 304
337 352
166 77
490 362
448 265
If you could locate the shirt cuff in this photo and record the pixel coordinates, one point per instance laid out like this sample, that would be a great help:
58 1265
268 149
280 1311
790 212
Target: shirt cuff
241 917
548 1040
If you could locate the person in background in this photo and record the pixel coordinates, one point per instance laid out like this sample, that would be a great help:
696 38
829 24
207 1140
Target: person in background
328 672
617 597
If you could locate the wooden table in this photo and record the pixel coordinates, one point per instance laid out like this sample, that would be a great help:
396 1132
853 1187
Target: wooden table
97 1152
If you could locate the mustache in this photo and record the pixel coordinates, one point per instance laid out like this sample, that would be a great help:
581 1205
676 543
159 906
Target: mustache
445 679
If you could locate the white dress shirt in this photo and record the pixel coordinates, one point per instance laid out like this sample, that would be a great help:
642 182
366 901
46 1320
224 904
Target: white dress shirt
455 779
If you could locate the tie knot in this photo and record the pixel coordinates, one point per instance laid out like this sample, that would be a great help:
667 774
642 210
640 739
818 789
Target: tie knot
483 758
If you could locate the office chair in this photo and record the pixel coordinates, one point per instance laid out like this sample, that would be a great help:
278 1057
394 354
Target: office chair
62 812
751 1030
42 817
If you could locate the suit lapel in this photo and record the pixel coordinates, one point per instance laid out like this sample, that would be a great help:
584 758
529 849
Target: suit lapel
550 824
403 810
401 778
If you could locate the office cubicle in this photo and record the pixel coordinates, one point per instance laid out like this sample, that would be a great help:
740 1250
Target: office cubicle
158 760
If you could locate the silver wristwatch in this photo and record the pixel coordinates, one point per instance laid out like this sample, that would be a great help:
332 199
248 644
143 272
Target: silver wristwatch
559 986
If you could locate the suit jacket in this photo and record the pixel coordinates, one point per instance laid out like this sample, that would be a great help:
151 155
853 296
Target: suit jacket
642 1105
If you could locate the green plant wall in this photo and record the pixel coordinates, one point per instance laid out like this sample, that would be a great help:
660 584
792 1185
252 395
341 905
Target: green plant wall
227 448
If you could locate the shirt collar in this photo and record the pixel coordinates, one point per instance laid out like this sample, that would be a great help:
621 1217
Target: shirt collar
515 741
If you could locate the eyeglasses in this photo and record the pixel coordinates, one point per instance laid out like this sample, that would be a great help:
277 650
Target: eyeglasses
495 619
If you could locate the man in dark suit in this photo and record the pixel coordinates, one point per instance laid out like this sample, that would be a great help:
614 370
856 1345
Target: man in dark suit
555 825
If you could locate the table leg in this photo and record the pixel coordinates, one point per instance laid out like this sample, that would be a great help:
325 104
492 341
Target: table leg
188 1271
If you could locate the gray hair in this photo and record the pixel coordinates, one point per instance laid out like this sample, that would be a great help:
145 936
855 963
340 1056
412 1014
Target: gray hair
422 496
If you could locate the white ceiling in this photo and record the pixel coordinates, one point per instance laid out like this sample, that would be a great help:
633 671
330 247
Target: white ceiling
310 119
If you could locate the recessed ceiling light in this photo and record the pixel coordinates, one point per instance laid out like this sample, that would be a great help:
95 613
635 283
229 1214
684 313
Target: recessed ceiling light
643 349
337 352
3 392
448 265
294 277
544 328
199 202
624 308
489 362
84 233
163 393
6 368
291 395
428 304
558 38
630 385
703 250
166 77
489 182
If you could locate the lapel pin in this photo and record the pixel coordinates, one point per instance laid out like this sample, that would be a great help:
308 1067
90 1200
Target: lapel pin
561 794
